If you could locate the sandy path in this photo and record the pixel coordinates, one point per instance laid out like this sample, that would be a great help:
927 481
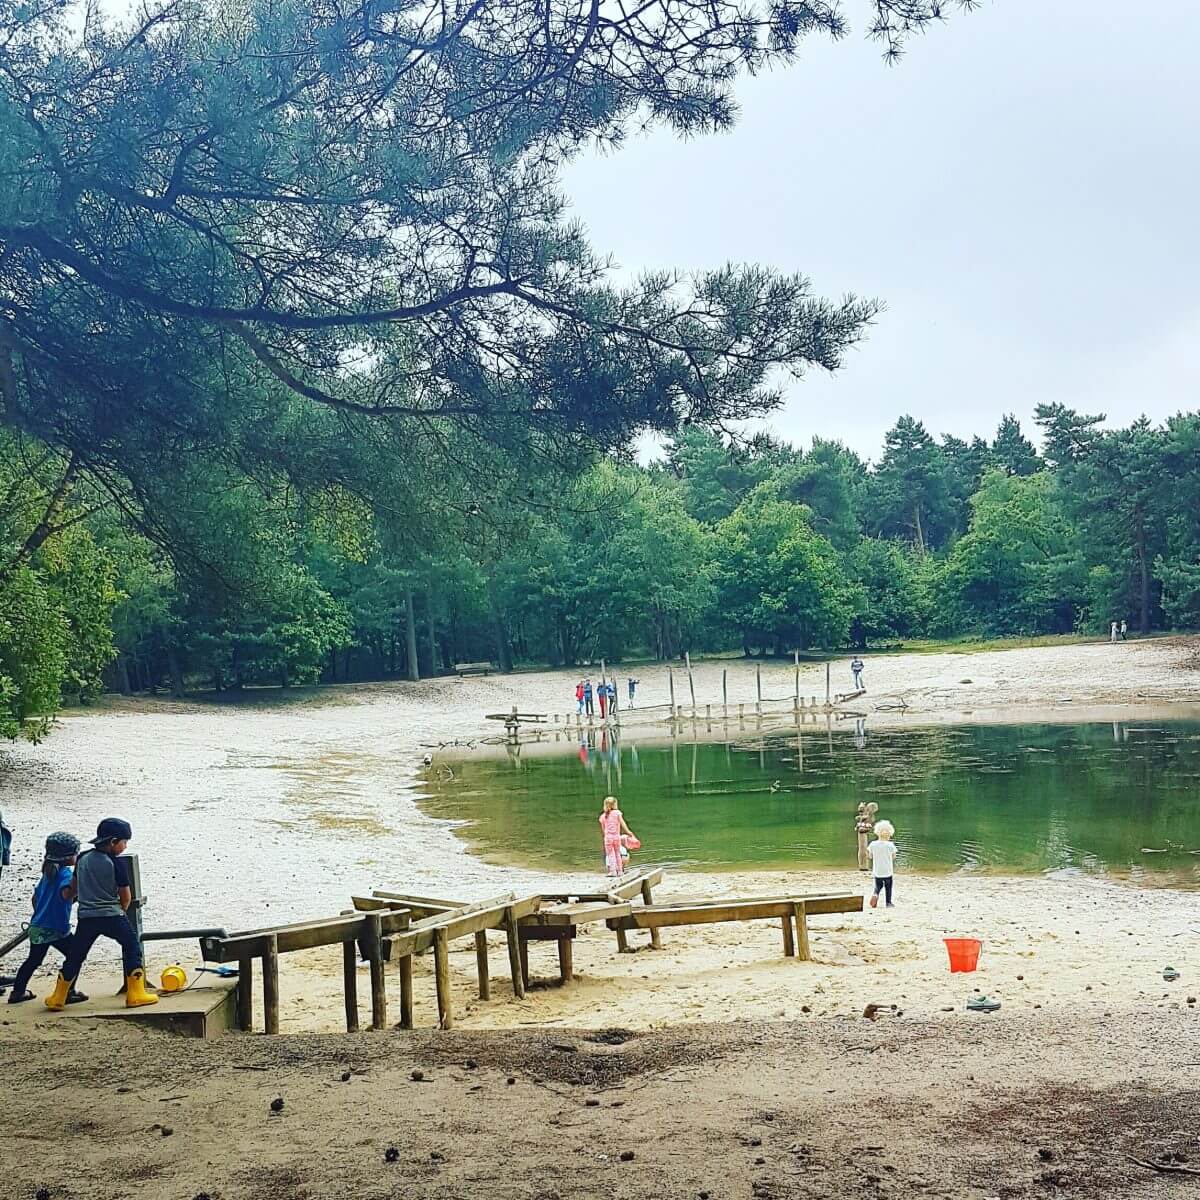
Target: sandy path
259 812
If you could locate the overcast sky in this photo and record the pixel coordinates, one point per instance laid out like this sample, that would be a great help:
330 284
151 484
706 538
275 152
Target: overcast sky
1021 192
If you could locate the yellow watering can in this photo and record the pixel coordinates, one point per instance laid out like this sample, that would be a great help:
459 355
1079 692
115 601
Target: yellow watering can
174 979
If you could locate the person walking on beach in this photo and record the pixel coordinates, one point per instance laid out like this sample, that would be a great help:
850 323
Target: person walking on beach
612 697
1124 629
579 697
612 826
632 686
883 857
1112 632
50 925
587 696
602 694
103 888
856 666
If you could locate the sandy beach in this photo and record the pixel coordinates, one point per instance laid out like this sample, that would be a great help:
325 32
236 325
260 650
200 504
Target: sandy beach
737 1073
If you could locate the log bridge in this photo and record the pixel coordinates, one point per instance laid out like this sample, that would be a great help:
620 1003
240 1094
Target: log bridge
389 926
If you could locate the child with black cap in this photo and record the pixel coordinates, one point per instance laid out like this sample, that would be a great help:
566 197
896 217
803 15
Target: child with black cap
102 886
50 925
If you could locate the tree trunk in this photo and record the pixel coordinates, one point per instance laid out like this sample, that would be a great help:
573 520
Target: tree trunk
1143 574
123 675
920 531
176 672
431 628
503 650
410 637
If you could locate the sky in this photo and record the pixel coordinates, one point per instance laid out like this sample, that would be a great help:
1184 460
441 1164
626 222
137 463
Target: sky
1021 192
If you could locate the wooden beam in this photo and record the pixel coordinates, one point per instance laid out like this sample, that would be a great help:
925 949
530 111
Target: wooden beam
417 903
305 936
512 929
441 966
350 984
481 964
406 991
648 898
631 885
271 985
245 991
475 918
802 930
581 914
375 958
789 945
710 912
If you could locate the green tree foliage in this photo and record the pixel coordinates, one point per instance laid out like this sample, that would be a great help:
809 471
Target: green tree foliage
912 495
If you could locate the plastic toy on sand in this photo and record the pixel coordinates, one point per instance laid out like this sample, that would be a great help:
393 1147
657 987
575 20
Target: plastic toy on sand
964 953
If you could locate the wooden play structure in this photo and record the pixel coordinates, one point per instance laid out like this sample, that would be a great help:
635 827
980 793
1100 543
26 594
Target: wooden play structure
389 926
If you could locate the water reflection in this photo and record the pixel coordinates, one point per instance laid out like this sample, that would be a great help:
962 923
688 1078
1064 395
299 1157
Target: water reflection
1113 800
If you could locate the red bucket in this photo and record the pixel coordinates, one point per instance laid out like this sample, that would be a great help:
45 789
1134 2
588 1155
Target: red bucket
964 953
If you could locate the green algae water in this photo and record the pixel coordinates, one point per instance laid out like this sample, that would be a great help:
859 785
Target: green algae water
1032 798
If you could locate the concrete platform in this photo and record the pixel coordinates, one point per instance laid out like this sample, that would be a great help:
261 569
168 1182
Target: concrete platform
203 1011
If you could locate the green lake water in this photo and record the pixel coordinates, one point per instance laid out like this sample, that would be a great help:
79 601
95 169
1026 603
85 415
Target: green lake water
1031 798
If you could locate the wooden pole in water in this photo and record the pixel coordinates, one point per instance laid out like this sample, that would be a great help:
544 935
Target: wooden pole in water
271 985
691 681
350 984
827 685
481 962
758 676
375 957
441 967
514 953
406 992
245 990
725 692
671 681
796 700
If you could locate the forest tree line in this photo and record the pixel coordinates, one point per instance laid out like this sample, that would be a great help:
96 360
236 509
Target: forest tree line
758 546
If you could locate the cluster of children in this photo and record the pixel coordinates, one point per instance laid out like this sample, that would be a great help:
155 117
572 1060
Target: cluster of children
98 881
588 696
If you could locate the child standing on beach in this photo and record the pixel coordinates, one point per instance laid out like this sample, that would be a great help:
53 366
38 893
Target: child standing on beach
50 925
103 887
612 825
883 856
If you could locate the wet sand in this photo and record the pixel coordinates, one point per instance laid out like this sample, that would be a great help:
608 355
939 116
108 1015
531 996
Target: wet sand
279 808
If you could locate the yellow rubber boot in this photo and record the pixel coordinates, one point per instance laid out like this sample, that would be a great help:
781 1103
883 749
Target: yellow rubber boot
135 990
57 1000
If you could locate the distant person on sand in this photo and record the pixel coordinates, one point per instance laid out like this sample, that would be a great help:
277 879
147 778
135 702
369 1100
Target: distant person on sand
883 857
612 697
632 685
579 697
1112 632
612 825
857 667
602 693
587 696
1124 630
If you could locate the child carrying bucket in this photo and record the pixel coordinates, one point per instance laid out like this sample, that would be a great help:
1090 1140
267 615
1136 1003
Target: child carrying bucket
612 824
882 853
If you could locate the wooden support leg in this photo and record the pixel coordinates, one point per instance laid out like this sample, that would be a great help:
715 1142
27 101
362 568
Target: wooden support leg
524 947
350 984
622 942
375 955
271 985
802 931
648 898
441 965
406 992
481 962
245 999
514 953
789 945
566 956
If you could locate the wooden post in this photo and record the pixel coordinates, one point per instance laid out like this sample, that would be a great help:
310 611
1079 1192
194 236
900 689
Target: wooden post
271 985
802 931
671 681
481 962
648 898
622 942
827 684
245 997
350 984
441 967
758 676
789 945
691 681
406 992
375 958
725 692
514 953
566 965
797 653
523 945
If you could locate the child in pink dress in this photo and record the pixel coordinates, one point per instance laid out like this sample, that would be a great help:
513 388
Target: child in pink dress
613 825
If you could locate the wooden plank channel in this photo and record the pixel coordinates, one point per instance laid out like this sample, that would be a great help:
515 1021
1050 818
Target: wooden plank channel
421 904
305 936
657 915
487 914
583 914
630 886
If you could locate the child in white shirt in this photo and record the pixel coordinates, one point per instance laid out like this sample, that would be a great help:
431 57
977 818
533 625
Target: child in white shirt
882 853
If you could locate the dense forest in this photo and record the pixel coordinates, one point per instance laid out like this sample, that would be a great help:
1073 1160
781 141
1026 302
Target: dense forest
306 373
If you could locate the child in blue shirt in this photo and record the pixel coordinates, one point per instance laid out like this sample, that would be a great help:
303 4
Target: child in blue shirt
50 927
